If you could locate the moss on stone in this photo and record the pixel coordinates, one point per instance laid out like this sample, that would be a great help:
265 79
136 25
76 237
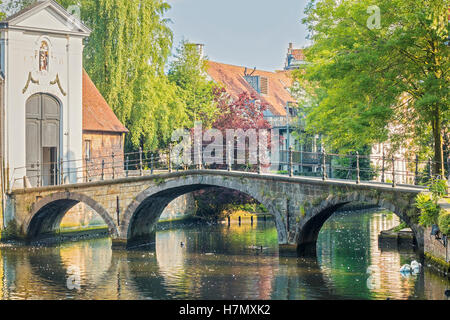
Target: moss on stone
318 201
438 263
302 211
159 181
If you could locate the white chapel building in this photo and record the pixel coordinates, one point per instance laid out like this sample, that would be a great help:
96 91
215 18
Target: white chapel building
44 93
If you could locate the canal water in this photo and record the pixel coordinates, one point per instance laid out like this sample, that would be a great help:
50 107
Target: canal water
222 262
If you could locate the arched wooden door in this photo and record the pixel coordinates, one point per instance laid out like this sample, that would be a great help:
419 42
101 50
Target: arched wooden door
43 136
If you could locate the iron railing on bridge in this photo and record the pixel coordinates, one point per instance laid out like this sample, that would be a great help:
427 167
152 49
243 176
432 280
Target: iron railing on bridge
355 167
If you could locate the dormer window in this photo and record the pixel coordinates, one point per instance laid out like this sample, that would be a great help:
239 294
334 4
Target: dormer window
264 85
259 83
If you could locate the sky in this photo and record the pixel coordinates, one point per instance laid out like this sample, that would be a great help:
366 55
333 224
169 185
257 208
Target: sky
251 33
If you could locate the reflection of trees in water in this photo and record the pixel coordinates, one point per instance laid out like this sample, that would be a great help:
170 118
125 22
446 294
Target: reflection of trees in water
42 273
348 246
207 266
217 263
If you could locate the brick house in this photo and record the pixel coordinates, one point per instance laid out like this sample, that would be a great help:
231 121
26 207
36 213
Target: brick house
103 133
273 89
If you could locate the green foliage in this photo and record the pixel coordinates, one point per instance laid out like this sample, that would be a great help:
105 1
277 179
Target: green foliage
13 6
444 223
12 231
428 203
438 188
346 166
400 227
125 56
361 82
429 210
188 72
302 211
216 203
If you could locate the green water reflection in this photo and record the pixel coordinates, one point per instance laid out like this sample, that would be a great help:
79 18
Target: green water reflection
221 262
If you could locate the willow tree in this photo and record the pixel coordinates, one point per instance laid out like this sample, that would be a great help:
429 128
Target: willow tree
125 55
378 73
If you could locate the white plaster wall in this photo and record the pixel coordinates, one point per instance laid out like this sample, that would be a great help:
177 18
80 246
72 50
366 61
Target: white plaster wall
21 57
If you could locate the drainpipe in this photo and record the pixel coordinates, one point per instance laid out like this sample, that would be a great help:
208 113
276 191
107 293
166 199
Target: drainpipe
67 108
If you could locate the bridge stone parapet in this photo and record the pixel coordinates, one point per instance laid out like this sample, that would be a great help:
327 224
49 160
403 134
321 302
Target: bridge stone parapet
131 207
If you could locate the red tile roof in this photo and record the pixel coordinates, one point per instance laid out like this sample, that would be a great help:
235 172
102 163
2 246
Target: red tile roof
97 114
232 78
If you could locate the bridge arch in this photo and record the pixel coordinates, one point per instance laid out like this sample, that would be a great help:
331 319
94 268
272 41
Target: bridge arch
144 211
47 213
308 229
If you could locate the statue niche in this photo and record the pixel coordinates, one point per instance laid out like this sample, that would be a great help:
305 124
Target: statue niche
43 56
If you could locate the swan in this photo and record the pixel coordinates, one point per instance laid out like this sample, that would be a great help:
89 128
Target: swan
405 268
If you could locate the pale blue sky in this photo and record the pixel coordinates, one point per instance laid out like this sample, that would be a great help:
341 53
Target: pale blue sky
252 33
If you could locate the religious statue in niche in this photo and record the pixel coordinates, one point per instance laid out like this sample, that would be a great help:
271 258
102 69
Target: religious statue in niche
43 56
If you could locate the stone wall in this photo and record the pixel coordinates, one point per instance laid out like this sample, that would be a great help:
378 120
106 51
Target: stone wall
82 216
179 208
436 247
436 253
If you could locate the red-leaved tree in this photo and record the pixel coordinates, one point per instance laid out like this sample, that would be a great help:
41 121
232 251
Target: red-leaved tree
246 112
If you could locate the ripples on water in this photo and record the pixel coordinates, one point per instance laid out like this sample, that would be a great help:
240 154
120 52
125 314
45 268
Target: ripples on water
221 262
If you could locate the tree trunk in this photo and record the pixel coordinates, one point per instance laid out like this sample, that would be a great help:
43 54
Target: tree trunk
438 145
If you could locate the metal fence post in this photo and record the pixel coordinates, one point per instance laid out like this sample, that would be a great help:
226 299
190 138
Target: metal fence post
118 210
126 166
258 160
394 183
301 158
358 169
291 168
169 158
430 168
86 173
38 174
416 173
229 157
151 163
103 169
113 168
141 172
324 165
200 154
383 168
61 171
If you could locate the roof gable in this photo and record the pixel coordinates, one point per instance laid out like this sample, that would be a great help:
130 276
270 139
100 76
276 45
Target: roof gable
97 114
46 16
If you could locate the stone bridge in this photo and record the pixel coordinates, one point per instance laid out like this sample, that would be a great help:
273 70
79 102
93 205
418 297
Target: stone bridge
132 206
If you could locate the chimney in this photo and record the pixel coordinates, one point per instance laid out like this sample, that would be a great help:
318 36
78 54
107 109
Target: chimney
201 50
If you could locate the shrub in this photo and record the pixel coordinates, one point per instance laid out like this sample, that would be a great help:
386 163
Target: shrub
444 223
428 205
429 210
438 188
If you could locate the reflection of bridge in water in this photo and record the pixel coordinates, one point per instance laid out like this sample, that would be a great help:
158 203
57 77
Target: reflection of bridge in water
172 271
132 206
